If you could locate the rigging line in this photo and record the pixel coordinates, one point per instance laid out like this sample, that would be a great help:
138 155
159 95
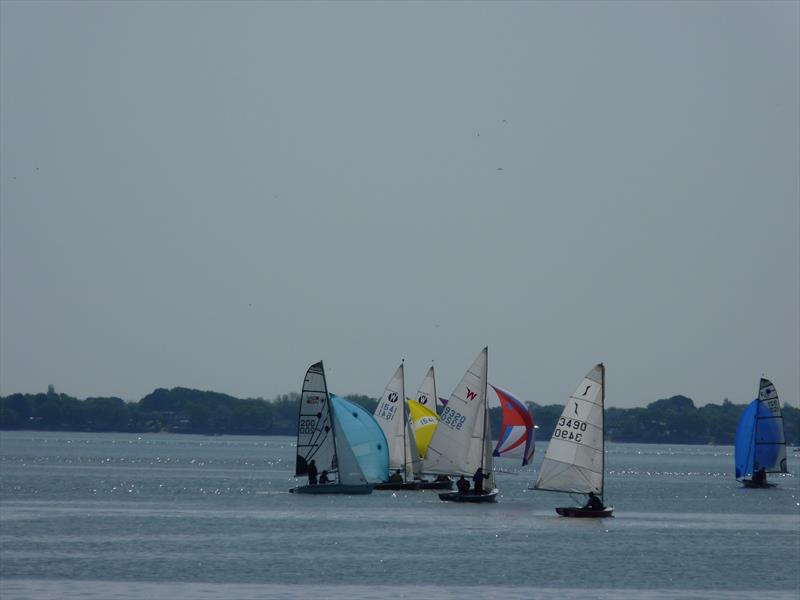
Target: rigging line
314 439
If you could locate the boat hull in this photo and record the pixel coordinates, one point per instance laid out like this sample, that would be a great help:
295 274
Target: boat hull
332 488
436 485
586 513
400 485
749 483
486 497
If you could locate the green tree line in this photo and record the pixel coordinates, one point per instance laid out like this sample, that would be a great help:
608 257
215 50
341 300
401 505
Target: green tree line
673 420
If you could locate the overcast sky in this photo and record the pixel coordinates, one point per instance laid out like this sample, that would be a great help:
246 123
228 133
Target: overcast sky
217 195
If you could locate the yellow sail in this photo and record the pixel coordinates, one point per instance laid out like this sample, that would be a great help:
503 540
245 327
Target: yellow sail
424 421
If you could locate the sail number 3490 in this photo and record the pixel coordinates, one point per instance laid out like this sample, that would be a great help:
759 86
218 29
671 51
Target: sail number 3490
570 429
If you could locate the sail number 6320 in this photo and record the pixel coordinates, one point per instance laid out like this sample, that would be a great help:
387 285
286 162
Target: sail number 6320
452 418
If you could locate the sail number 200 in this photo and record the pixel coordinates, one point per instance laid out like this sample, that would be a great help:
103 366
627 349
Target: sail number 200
570 429
307 426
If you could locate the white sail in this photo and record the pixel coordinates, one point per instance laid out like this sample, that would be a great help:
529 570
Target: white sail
426 394
457 445
769 430
574 458
426 397
392 416
315 435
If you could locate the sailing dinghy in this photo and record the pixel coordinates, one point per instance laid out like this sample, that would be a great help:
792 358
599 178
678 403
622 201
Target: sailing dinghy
424 419
321 440
462 442
760 442
574 460
393 417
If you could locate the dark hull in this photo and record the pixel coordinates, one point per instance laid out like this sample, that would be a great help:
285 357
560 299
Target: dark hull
749 483
586 513
332 488
436 485
486 497
403 485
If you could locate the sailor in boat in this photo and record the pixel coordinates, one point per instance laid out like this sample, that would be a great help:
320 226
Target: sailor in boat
463 485
593 502
311 469
478 480
396 477
323 478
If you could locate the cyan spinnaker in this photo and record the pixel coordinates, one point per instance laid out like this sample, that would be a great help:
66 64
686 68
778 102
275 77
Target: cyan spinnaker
365 438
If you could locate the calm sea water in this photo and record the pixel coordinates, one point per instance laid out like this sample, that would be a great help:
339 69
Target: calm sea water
116 516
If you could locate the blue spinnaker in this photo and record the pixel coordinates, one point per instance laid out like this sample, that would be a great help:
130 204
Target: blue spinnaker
365 438
759 440
745 438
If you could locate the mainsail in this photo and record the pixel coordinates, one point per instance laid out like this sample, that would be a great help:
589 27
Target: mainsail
315 439
362 439
422 412
392 416
458 444
760 441
426 394
574 458
516 439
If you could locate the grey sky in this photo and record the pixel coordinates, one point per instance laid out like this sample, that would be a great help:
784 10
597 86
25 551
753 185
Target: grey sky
218 195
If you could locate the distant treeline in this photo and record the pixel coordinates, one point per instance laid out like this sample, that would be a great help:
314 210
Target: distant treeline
673 420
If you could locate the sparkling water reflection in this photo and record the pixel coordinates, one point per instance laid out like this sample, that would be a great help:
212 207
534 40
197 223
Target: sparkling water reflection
171 516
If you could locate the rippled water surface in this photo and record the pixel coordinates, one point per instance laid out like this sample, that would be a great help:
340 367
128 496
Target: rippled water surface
178 516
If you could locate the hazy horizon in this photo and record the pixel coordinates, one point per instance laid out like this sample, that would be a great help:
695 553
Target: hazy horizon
217 195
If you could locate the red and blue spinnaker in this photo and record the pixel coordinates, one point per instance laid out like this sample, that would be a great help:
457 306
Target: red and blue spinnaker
516 439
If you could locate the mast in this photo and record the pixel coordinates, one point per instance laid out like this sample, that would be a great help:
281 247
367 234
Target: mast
487 434
485 411
485 416
435 393
332 419
404 417
603 429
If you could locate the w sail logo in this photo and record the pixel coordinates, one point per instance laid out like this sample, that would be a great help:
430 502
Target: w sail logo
471 395
423 399
393 397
